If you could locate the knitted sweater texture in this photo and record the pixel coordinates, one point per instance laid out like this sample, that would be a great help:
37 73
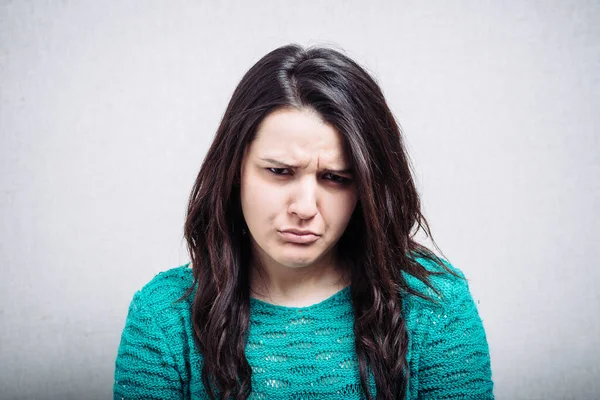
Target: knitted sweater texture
304 352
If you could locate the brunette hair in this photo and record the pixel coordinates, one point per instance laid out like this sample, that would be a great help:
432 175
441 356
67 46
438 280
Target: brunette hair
377 245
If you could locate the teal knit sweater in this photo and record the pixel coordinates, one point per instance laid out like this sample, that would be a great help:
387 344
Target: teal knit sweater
305 352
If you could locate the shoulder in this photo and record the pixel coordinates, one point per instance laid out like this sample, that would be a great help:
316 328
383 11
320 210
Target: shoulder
161 294
450 287
449 350
444 313
157 338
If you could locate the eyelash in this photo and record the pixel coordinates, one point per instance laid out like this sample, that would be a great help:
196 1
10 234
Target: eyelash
341 180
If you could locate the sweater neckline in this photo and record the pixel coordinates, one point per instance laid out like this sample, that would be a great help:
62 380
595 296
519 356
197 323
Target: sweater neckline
322 303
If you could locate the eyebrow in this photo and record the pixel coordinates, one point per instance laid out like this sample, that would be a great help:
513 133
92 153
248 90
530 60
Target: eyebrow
284 165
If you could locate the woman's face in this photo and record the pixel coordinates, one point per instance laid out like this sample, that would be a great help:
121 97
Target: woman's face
295 176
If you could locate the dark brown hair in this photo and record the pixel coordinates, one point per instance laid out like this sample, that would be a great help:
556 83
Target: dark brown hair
378 243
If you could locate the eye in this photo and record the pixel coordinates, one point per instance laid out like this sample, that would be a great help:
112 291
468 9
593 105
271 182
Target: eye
277 171
337 179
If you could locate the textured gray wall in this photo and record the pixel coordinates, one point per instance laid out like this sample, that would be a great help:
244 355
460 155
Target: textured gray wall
108 107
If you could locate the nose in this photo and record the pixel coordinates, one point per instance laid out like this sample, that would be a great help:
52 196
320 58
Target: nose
304 201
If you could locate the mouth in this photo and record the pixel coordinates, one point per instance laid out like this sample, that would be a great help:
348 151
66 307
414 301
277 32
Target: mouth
301 238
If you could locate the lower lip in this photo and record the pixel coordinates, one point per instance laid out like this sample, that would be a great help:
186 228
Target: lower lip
295 238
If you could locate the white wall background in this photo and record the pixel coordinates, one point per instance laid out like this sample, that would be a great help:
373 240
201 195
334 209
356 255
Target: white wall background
108 107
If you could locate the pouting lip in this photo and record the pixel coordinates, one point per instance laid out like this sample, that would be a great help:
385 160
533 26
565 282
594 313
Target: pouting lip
299 232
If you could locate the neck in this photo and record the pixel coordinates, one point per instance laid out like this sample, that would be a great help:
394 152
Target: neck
300 286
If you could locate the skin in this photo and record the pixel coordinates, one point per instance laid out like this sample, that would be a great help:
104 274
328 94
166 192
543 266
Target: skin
306 194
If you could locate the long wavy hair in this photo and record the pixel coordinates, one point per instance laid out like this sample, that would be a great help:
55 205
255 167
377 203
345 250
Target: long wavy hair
377 245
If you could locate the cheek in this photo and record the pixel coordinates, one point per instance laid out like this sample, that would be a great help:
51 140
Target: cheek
260 201
338 211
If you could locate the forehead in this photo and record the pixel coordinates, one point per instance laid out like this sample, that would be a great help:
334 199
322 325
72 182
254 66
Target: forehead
298 134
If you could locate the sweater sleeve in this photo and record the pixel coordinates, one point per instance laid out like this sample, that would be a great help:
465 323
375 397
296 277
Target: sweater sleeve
455 363
145 367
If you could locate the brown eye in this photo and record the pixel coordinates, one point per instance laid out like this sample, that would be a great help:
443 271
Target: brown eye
277 171
337 179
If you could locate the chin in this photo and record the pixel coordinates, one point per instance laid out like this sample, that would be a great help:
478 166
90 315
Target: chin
297 256
295 262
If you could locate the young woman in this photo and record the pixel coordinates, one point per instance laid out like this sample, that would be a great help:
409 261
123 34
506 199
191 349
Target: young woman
305 280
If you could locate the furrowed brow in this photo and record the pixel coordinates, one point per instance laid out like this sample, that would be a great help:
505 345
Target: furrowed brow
279 163
341 171
284 165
